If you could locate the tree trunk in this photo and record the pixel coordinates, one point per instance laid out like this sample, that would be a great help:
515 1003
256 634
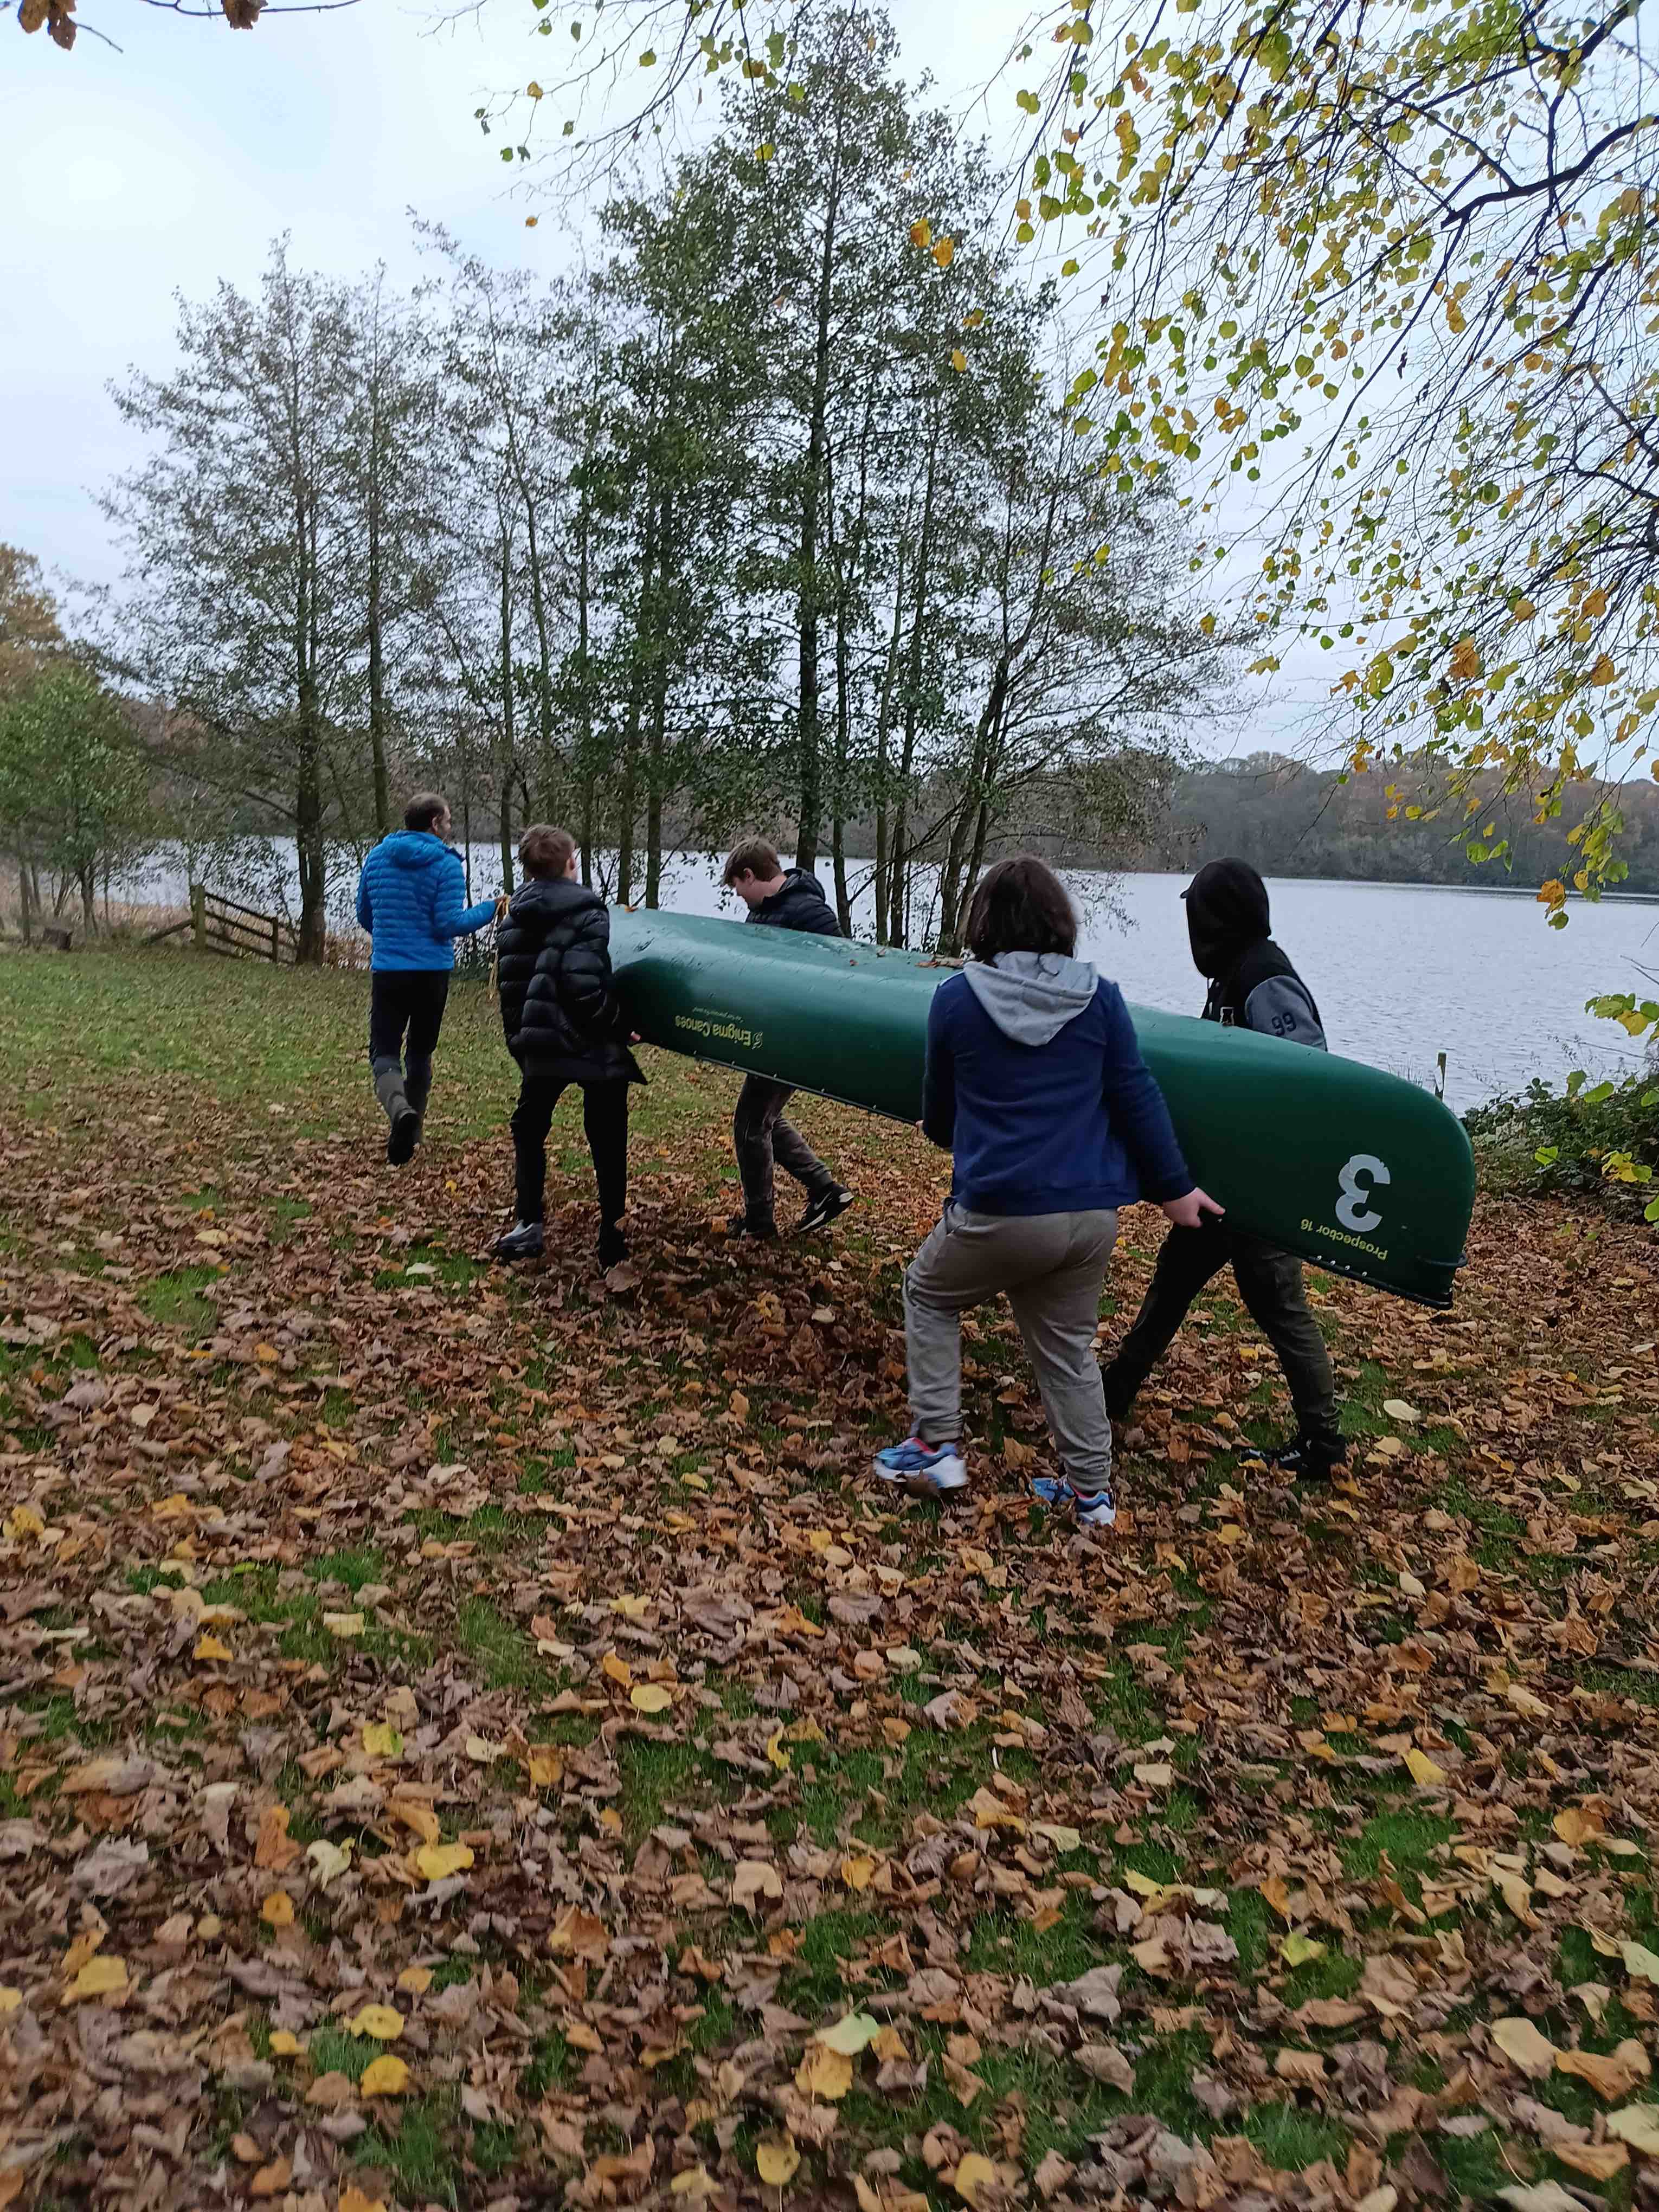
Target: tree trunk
504 765
957 873
308 747
843 739
546 777
899 895
884 731
846 564
628 800
376 712
589 773
464 755
308 839
627 797
811 807
25 908
658 708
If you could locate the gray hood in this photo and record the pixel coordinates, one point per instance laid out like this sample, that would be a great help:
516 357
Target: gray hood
1030 996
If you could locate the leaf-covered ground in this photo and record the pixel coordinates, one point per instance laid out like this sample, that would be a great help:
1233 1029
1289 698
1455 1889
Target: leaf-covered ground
481 1739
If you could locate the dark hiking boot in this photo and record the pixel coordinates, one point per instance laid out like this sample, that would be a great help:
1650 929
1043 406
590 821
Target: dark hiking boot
829 1206
613 1245
404 1132
739 1225
418 1092
524 1240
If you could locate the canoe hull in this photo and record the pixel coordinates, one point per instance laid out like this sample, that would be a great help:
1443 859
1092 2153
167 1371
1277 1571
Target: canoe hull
1353 1169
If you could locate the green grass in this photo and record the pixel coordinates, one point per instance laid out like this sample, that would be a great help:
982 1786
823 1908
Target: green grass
175 1300
256 1036
504 1655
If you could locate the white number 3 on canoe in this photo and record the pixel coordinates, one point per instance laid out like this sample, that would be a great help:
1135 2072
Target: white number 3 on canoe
1363 1172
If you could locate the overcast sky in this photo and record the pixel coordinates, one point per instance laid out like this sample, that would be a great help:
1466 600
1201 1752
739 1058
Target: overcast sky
174 163
134 176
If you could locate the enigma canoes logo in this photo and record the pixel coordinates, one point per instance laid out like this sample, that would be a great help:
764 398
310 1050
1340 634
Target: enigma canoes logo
720 1029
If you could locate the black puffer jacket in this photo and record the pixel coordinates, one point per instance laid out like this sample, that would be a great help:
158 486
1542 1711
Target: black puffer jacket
799 905
558 1003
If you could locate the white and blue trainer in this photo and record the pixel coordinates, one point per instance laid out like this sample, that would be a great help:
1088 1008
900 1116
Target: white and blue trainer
929 1470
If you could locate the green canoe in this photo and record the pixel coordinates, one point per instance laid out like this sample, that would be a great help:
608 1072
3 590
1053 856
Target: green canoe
1352 1169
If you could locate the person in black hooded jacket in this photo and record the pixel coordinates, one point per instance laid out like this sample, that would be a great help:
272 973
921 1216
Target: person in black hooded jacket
1252 986
564 1024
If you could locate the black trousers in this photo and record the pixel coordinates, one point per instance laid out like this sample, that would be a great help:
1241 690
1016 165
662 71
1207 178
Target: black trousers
1270 1283
604 1122
405 1014
761 1139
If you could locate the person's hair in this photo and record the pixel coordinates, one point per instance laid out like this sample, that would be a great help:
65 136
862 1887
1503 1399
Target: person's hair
544 851
753 857
423 810
1020 905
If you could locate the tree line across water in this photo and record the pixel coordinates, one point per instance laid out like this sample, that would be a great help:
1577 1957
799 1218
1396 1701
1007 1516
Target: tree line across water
1394 824
775 517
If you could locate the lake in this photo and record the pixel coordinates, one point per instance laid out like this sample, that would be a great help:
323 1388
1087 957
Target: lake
1401 971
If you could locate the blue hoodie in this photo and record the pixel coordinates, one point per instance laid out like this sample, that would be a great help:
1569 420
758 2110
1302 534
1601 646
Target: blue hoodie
1036 1082
412 899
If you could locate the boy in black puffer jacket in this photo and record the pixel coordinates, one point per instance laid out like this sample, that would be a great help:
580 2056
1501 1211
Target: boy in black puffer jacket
564 1025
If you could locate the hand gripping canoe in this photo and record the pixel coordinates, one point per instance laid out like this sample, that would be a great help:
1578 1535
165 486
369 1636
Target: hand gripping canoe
1352 1169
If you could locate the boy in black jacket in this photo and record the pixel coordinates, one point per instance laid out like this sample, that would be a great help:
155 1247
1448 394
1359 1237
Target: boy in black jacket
760 1135
564 1025
1254 986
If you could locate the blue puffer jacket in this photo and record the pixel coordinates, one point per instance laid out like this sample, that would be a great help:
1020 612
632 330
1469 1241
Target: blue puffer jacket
412 899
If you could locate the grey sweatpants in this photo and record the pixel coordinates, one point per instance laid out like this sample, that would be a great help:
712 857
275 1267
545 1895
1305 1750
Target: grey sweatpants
1051 1266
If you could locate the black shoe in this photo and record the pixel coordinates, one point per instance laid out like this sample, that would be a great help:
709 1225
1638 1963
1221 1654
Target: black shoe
613 1245
403 1136
829 1206
1312 1459
739 1225
522 1242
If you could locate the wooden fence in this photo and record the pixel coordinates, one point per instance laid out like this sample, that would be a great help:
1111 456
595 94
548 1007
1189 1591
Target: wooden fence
219 924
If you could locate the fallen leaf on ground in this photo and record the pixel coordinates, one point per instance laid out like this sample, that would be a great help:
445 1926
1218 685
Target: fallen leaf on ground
101 1976
1639 2126
1525 2045
776 2159
437 1862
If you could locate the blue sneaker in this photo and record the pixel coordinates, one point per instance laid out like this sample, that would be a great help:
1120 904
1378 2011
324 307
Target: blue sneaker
932 1471
1094 1509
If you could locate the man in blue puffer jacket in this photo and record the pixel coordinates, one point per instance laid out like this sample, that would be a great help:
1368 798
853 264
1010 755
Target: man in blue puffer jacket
412 900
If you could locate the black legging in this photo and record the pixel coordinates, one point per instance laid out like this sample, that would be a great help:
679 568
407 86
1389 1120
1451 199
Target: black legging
1269 1282
604 1120
412 1001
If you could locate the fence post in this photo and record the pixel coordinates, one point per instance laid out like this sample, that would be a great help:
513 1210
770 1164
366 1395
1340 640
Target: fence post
199 915
275 957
